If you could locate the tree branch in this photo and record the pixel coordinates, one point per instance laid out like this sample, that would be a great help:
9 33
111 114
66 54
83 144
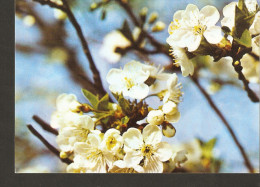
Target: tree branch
45 125
47 144
238 68
51 4
223 119
96 75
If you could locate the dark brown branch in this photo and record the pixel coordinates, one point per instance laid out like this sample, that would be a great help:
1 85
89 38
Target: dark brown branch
50 3
223 119
53 35
238 68
74 22
47 144
45 125
160 47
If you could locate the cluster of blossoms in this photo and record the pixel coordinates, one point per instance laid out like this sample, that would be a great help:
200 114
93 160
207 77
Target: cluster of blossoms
194 32
112 137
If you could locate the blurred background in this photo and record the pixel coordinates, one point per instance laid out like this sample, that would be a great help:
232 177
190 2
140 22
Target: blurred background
48 54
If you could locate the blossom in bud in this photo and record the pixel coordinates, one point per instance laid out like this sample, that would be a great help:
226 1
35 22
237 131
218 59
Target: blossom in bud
158 26
155 117
169 108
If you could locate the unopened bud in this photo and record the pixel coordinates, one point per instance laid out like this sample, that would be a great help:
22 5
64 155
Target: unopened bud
63 155
153 17
159 26
93 6
143 11
155 117
169 108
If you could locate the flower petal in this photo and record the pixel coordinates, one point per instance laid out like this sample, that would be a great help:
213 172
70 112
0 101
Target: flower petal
163 151
210 15
213 34
173 118
139 91
153 165
133 158
114 75
133 138
152 134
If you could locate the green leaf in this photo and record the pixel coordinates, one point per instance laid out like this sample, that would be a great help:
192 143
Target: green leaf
91 98
103 103
245 40
126 31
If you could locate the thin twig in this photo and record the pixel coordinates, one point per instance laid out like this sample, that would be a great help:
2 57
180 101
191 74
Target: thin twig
51 4
238 68
223 119
74 22
47 144
45 125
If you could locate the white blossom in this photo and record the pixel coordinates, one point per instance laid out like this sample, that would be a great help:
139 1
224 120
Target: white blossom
181 59
113 40
191 25
147 147
112 140
155 117
129 81
173 92
91 156
77 132
66 105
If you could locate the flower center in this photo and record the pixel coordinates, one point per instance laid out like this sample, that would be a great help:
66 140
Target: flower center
129 83
82 134
94 154
147 150
111 142
199 29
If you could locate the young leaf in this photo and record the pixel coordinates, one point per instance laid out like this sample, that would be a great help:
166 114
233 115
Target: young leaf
91 98
103 103
245 40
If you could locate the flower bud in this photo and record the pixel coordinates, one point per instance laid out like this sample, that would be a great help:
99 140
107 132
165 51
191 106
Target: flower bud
63 155
152 18
169 108
158 26
155 117
168 130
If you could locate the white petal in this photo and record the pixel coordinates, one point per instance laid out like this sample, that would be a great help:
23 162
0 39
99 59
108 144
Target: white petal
153 165
178 15
173 118
139 91
87 122
211 15
114 76
133 158
193 42
94 140
163 151
152 134
187 67
64 100
191 14
133 138
213 35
